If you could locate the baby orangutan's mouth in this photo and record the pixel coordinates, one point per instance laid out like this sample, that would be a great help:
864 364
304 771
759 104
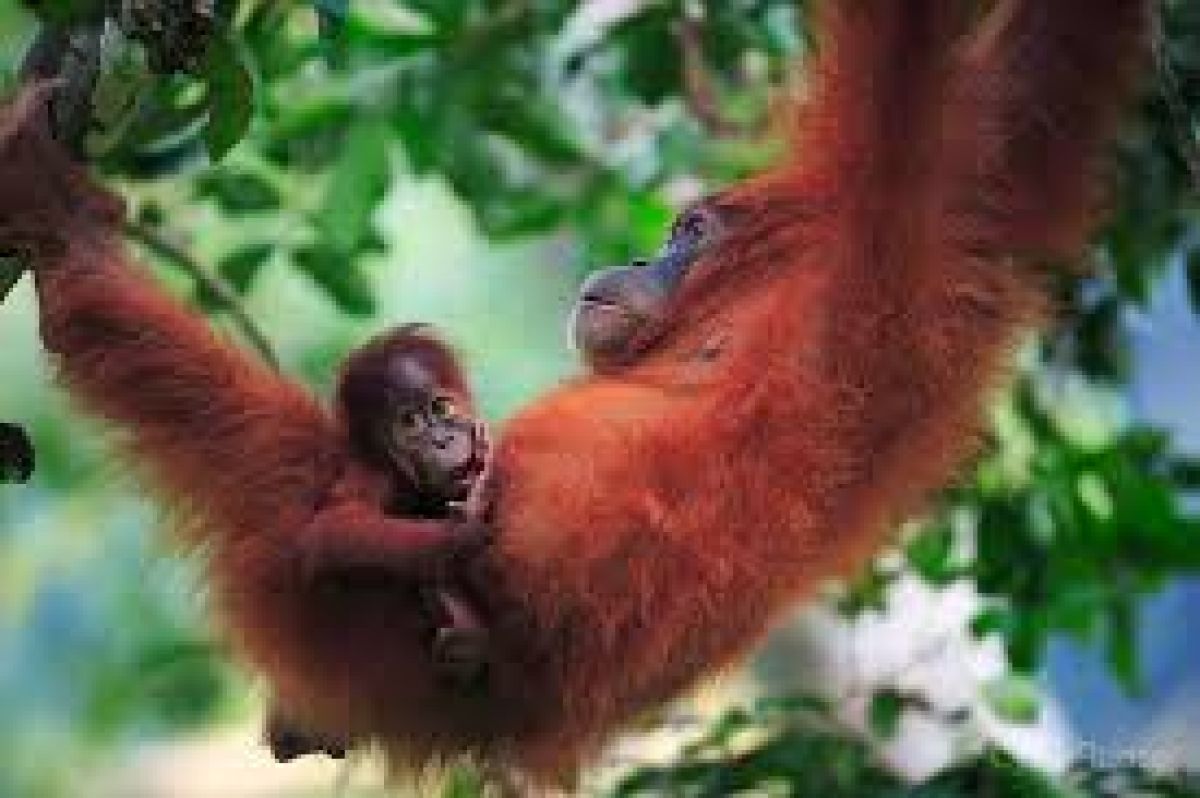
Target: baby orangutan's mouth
468 470
463 477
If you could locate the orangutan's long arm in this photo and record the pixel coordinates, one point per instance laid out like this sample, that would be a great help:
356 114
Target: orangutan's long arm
1038 102
224 437
871 128
955 163
211 426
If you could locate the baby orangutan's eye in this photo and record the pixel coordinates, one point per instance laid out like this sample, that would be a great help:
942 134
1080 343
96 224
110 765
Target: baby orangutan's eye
442 408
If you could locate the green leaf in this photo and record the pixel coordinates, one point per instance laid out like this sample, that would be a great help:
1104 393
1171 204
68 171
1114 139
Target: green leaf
1102 350
309 135
183 677
1121 645
1185 471
125 80
64 12
884 713
331 15
538 127
337 274
650 53
162 655
1014 698
463 782
446 16
931 554
164 135
358 184
238 192
519 213
240 267
362 35
724 731
997 774
868 593
331 30
229 98
794 704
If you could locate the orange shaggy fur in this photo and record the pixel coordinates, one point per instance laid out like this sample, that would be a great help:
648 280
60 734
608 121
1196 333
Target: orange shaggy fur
655 521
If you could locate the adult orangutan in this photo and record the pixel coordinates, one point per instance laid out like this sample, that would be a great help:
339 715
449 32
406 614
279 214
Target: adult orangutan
802 365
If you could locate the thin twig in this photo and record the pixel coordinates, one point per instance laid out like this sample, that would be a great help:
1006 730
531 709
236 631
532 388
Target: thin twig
214 285
699 92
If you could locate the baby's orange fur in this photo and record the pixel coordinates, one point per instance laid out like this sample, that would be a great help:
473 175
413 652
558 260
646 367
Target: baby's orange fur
655 521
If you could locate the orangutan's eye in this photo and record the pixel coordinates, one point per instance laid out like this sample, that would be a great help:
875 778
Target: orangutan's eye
695 230
693 225
442 408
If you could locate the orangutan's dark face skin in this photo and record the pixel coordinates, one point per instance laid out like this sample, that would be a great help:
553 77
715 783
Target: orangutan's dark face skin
430 439
620 311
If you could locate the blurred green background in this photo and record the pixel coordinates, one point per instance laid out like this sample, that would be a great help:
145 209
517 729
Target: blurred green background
335 167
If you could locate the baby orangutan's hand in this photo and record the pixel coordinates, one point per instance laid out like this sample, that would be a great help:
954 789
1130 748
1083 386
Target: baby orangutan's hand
469 538
481 503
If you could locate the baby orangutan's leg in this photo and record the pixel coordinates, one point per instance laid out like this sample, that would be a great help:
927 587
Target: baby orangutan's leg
460 648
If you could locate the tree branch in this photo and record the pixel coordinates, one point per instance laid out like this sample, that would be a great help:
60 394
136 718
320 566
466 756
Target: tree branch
699 92
73 57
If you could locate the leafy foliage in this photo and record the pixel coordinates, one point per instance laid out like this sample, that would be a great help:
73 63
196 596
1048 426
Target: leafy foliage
1071 540
794 747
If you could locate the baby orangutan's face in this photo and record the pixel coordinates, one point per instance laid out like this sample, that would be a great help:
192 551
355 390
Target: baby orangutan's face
431 438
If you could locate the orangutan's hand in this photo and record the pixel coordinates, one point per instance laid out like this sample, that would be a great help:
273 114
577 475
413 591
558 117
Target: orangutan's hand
46 198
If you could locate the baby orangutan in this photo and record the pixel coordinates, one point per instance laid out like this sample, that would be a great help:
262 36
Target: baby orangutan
406 410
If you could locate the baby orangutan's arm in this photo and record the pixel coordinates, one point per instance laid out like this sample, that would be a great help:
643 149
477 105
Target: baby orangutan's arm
352 534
